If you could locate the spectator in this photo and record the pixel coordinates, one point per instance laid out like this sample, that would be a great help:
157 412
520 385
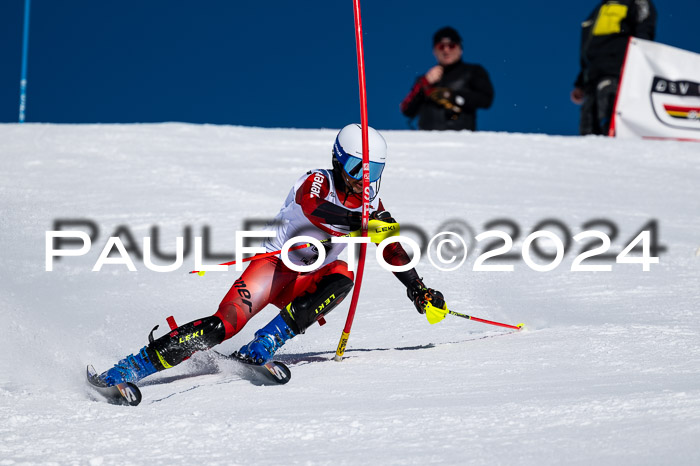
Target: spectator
447 96
604 40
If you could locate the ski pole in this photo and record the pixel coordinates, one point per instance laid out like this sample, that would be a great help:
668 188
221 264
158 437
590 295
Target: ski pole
490 322
435 315
265 254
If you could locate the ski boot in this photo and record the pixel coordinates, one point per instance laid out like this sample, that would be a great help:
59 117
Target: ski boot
130 369
267 341
167 351
299 315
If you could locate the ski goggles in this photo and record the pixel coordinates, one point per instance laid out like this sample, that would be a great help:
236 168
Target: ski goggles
353 165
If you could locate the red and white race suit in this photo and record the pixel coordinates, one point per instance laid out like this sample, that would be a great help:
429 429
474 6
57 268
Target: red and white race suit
306 212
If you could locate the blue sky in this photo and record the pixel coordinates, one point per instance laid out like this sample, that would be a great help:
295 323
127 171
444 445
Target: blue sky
293 64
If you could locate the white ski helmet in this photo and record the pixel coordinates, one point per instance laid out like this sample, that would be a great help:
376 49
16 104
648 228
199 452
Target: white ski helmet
347 151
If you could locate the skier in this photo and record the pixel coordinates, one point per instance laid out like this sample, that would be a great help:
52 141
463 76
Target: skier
321 204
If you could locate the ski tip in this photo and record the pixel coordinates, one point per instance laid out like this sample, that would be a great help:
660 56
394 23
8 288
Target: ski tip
278 372
274 371
121 394
521 326
130 393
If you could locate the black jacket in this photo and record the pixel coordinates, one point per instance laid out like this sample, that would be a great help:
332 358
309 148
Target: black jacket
605 33
450 103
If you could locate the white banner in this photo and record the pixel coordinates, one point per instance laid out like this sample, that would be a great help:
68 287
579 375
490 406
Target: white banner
659 95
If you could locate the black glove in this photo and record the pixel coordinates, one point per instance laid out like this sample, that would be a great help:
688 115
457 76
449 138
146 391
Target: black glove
384 216
421 296
355 218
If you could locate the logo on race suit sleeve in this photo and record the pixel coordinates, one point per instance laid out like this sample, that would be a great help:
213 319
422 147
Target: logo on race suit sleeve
316 185
676 103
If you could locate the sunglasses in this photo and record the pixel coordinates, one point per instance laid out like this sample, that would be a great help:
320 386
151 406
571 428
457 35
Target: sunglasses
446 45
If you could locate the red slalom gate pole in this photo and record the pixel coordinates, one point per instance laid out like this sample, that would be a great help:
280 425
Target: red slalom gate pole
365 181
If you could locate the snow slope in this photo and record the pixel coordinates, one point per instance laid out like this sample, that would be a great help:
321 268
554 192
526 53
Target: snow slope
608 372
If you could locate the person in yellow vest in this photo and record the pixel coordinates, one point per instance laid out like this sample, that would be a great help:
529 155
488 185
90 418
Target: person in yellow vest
604 38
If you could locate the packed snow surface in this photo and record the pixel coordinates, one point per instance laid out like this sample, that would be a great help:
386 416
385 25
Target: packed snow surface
607 371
